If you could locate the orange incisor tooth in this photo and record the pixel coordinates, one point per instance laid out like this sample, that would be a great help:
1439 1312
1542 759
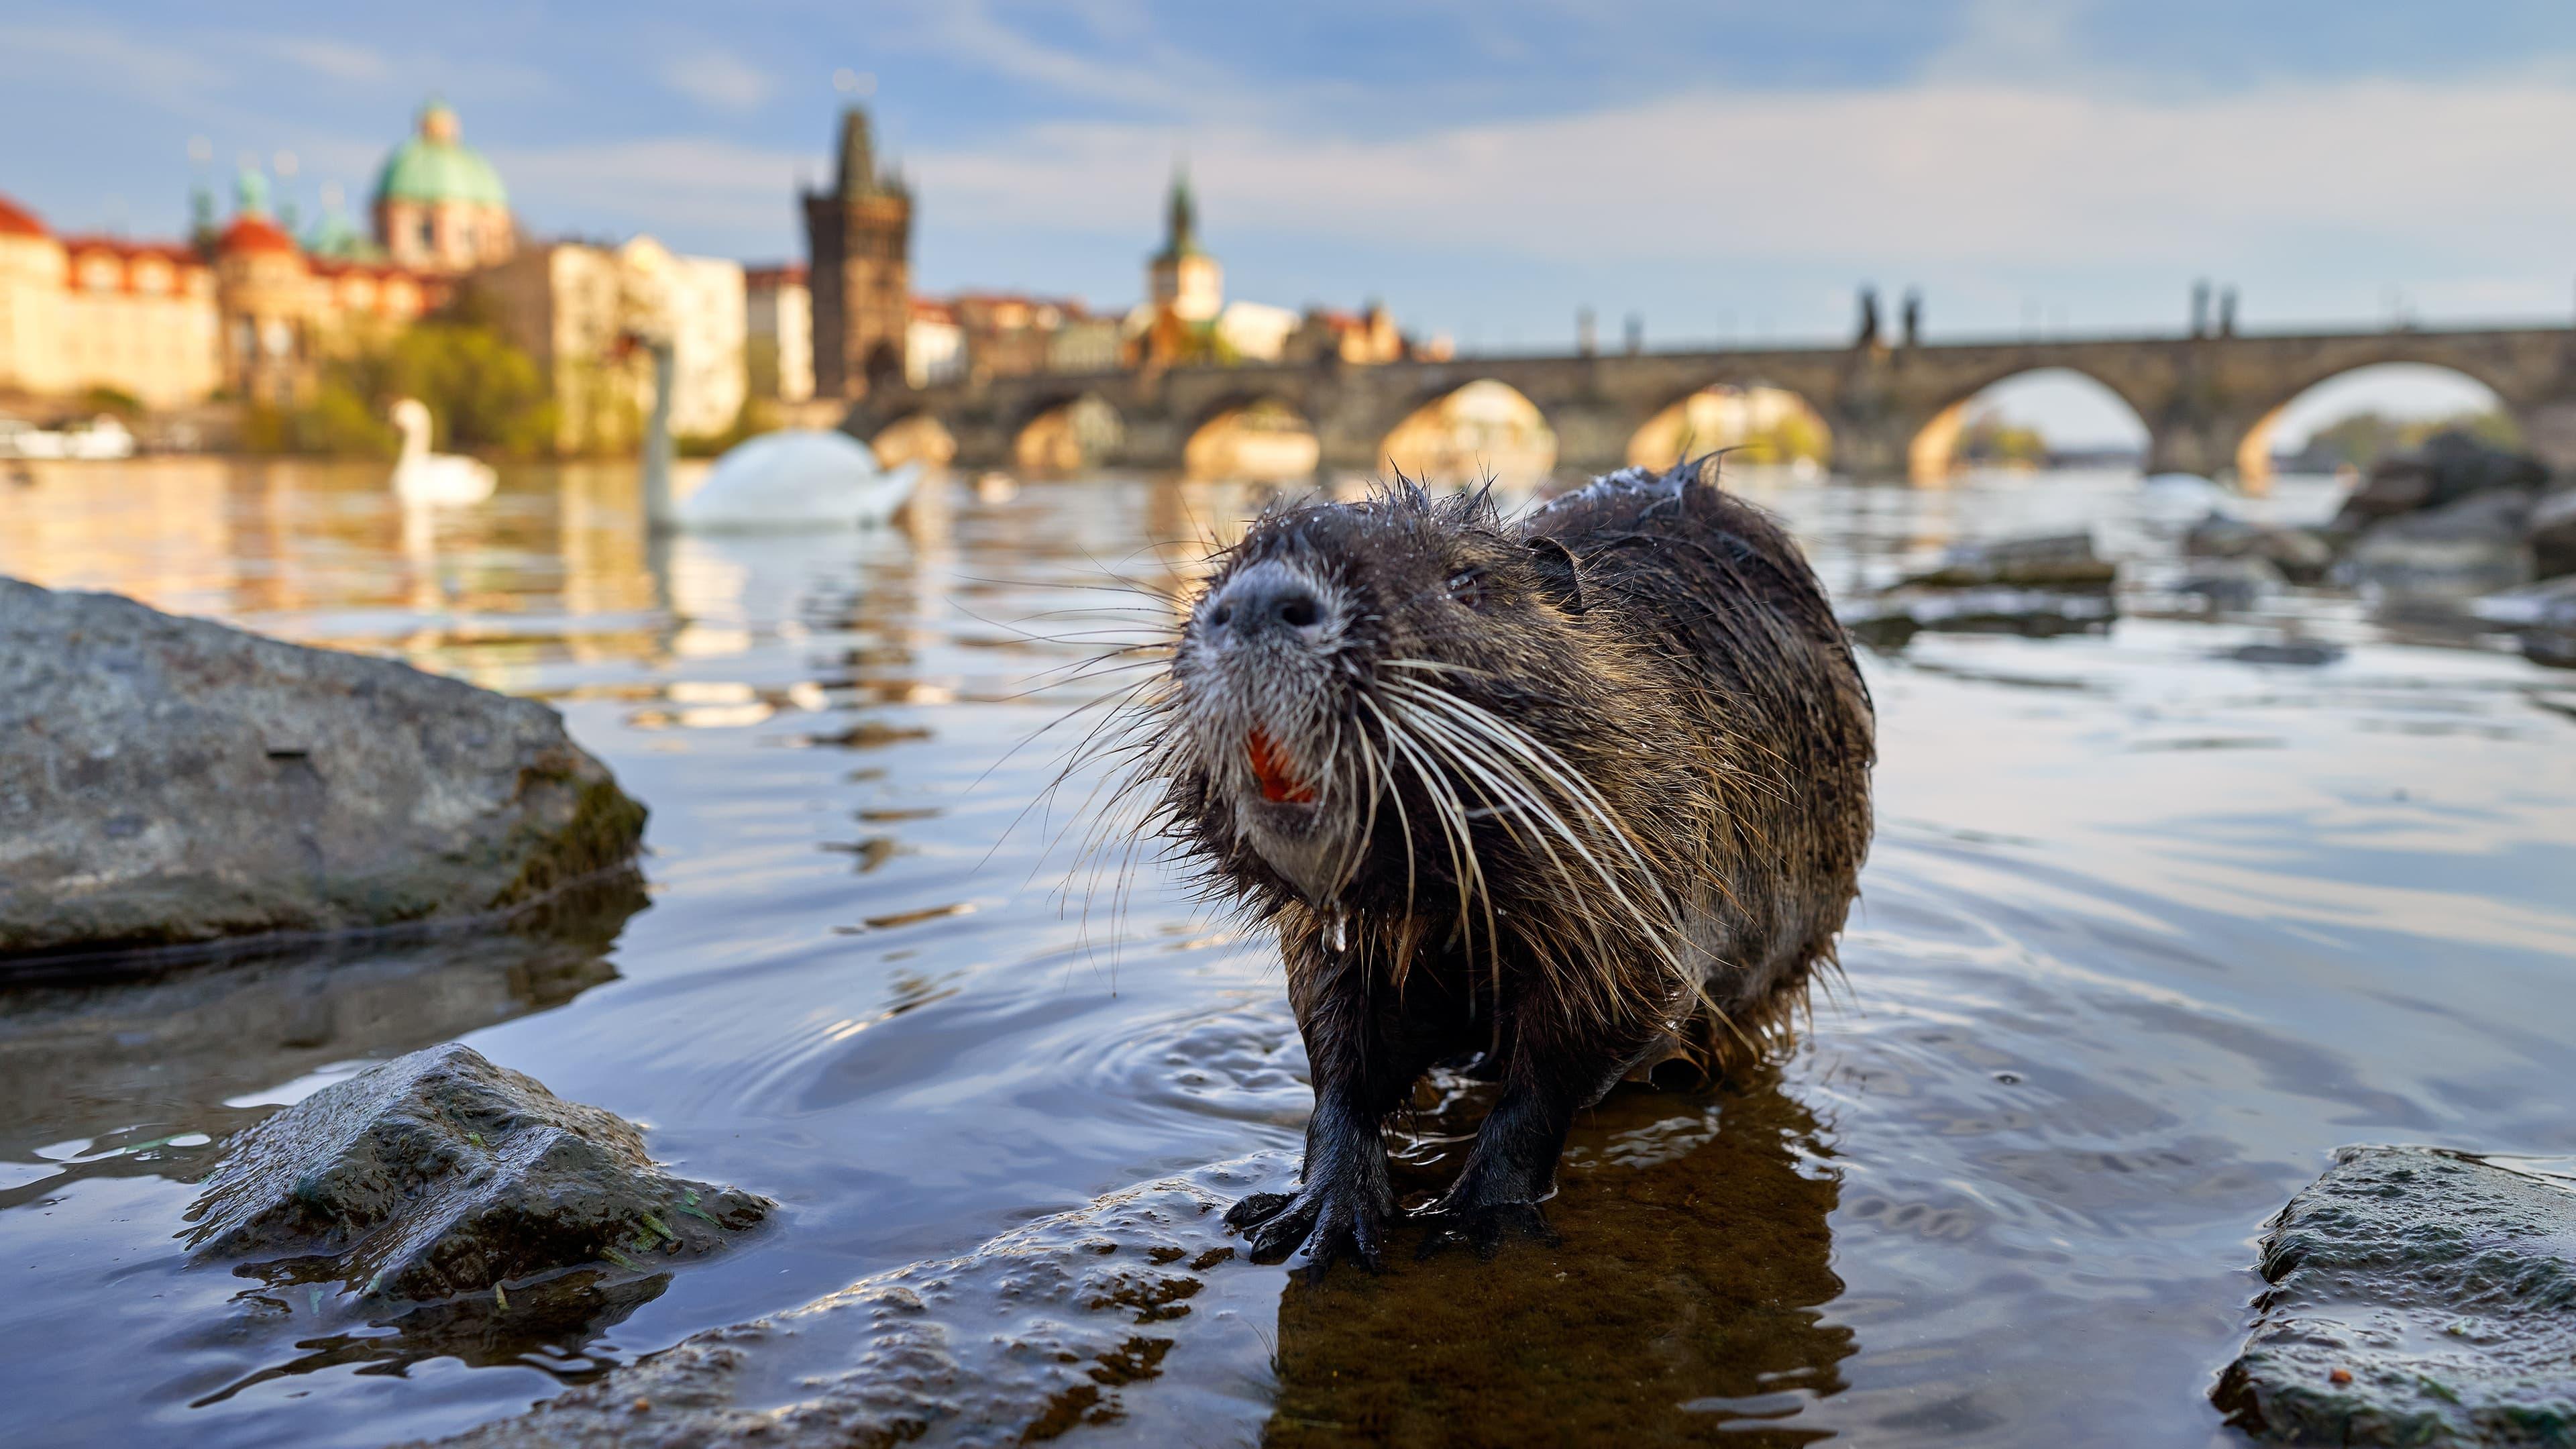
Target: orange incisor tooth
1279 783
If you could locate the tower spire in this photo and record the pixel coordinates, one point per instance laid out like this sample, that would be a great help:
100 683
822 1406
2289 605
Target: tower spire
1182 226
858 158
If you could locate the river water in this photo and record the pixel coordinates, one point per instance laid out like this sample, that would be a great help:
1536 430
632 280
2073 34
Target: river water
2156 918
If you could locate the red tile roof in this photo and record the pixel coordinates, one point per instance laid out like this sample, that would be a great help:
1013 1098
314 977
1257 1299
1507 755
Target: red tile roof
255 234
16 220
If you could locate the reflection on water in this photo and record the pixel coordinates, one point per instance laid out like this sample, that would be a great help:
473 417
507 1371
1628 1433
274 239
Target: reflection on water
2159 913
1689 1295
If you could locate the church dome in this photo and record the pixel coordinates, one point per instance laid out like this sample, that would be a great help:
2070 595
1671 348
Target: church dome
434 166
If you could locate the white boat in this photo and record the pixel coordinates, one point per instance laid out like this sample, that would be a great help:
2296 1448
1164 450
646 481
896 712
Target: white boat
798 477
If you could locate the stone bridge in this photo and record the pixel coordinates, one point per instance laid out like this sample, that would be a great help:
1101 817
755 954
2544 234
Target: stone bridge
2208 402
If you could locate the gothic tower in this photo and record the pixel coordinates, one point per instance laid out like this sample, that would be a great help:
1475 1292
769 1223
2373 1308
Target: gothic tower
1182 279
859 236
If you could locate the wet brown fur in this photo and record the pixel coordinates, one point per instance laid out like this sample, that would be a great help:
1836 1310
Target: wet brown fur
1649 642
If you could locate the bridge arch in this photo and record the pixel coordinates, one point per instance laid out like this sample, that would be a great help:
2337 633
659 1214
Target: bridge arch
916 437
2444 387
1258 437
1470 431
1067 433
1970 427
1764 424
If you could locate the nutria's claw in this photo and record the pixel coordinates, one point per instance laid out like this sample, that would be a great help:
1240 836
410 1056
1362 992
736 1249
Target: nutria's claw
1318 1218
1482 1228
1254 1210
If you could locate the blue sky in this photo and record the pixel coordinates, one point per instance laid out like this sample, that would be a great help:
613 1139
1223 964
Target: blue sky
1720 169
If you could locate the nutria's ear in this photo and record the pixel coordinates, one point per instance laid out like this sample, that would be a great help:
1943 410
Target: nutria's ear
1558 571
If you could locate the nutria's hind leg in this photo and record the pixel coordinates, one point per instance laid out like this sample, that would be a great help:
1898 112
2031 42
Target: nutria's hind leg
1509 1172
1512 1168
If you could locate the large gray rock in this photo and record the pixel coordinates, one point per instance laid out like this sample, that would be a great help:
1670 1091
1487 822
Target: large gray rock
166 781
439 1174
2417 1298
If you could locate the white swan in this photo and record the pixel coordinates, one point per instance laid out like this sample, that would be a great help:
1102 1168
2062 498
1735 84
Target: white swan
798 476
421 476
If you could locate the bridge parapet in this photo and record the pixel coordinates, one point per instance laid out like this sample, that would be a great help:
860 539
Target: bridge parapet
2208 403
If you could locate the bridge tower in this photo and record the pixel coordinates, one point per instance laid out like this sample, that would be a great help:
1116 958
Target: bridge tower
859 236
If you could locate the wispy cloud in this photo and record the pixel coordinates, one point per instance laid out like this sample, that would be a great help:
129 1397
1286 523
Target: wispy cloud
716 79
686 185
1940 172
333 59
112 57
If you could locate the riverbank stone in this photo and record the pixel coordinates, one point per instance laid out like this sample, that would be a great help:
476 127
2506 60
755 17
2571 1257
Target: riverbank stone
2449 466
2417 1297
2302 556
1034 1334
2553 535
2473 545
438 1175
171 782
2051 561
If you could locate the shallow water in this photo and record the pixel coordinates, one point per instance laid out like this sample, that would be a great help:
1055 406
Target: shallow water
2147 931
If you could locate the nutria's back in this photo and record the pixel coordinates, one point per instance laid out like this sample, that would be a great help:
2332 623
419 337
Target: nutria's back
1773 685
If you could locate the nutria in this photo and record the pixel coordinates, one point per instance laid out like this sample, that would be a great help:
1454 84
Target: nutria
1553 800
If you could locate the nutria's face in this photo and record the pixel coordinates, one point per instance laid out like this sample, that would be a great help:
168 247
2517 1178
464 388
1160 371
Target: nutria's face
1325 621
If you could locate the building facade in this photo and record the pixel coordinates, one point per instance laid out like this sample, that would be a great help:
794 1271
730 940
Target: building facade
859 240
778 323
934 345
439 207
580 311
250 314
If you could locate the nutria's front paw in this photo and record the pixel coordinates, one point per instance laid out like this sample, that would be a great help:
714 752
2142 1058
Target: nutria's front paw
1331 1220
1483 1227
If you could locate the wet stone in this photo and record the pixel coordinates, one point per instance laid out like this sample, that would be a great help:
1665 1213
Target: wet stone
2471 546
2417 1298
1035 1335
439 1175
2050 561
2301 556
169 781
2553 535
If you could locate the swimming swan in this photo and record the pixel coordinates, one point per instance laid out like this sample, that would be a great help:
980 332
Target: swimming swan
798 476
421 476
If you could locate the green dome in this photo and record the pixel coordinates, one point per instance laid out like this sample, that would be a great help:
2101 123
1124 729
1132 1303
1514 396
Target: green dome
435 166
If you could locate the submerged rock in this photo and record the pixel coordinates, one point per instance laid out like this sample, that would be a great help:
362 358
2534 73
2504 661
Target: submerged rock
2230 583
439 1174
169 781
1685 1299
2054 561
2417 1298
1888 620
1032 1335
174 1047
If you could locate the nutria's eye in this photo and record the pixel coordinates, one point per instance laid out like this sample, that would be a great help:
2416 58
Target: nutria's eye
1468 587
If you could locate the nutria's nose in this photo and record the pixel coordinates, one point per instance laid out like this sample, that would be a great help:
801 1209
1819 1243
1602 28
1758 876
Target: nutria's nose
1267 600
